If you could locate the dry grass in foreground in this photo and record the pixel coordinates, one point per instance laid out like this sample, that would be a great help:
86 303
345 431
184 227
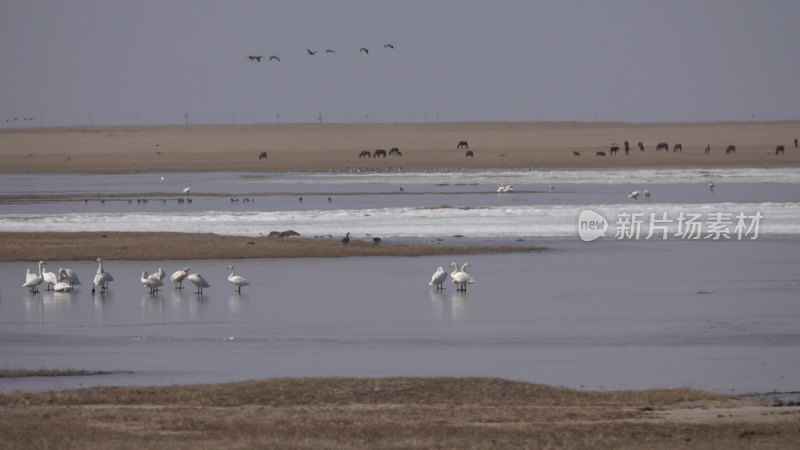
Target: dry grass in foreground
182 246
388 413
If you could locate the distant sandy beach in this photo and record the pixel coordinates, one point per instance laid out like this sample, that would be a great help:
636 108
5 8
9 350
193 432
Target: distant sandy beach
323 147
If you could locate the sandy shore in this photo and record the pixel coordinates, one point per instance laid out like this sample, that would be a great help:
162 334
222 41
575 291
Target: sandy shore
323 147
390 412
184 246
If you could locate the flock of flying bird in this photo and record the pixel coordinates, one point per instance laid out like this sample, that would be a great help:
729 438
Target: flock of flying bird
67 279
365 50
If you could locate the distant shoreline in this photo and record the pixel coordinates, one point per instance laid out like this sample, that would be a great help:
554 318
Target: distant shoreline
424 146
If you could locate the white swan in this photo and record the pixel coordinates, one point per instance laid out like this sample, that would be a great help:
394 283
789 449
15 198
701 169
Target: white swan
158 275
151 282
237 280
49 278
187 190
198 281
32 280
62 286
69 275
461 277
101 278
178 277
438 278
711 186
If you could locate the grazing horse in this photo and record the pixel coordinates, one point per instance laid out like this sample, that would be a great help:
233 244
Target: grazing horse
469 153
601 153
462 144
678 148
662 145
779 149
263 155
365 154
395 151
377 241
730 150
708 149
614 149
627 148
641 146
379 152
576 153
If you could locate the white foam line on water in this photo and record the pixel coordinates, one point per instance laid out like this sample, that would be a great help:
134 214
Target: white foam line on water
503 221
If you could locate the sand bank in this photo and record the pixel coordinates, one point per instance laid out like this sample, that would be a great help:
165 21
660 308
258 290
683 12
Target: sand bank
322 147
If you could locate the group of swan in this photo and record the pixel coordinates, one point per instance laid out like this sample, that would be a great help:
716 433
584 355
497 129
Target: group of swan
504 189
460 277
67 278
62 282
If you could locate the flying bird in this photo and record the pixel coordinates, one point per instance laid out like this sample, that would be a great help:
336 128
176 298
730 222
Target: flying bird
364 49
388 46
274 58
330 51
312 53
255 58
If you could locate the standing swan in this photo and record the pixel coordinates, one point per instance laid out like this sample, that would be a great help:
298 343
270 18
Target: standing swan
178 277
49 278
158 275
438 278
152 282
461 277
68 275
32 280
237 280
198 281
101 278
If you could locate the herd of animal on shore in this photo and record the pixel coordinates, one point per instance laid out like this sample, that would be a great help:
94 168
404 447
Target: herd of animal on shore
730 150
65 279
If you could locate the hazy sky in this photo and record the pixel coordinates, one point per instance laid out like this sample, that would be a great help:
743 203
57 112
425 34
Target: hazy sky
152 61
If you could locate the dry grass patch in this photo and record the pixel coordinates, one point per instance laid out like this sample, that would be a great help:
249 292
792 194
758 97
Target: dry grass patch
376 413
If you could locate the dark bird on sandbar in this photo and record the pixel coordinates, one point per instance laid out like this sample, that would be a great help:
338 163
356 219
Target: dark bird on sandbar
255 58
364 49
345 240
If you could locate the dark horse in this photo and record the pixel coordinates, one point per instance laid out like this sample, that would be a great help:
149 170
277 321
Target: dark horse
380 152
662 145
395 151
678 148
601 153
462 144
708 149
779 149
469 153
263 155
365 154
730 150
614 149
641 146
627 148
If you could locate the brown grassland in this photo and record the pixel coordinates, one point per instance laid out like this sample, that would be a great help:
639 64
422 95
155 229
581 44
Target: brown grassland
352 412
389 413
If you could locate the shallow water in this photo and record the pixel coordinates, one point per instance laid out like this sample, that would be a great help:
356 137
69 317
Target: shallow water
721 316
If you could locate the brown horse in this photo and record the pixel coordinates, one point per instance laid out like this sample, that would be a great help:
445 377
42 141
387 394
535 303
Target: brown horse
662 146
614 149
708 149
641 146
576 153
377 241
263 155
395 151
730 150
779 149
365 154
379 152
462 144
627 148
601 153
469 154
678 148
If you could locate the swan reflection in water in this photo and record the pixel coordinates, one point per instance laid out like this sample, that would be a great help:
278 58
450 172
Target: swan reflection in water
48 306
458 305
187 306
236 302
152 304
